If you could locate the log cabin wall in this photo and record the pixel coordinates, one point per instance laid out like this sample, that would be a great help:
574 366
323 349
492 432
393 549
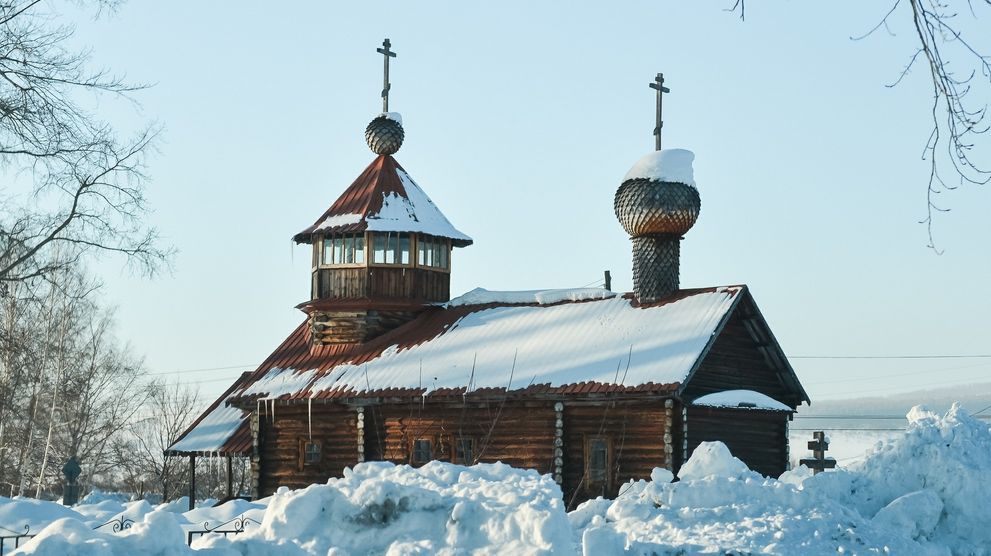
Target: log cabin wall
634 434
758 438
520 434
737 361
280 459
383 281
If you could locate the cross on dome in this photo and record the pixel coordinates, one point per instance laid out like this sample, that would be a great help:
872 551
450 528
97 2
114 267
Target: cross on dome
658 85
386 53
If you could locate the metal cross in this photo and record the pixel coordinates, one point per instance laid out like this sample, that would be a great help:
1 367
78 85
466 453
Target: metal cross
658 85
385 84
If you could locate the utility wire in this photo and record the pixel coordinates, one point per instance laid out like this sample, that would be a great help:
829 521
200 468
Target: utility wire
948 356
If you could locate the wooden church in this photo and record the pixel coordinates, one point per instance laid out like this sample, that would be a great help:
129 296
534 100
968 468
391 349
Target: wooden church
591 386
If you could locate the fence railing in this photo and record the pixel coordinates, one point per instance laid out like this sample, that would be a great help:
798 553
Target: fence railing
12 539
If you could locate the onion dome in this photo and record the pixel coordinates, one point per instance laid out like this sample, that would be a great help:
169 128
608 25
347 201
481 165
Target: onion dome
385 134
658 195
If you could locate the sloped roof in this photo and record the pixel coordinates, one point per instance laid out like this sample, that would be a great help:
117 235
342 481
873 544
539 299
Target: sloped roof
384 198
565 347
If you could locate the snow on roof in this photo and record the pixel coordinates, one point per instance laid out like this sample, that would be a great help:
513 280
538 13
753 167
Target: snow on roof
212 432
741 398
482 296
605 341
384 198
673 165
414 212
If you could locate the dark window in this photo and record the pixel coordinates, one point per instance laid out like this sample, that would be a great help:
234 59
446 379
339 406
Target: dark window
422 451
464 451
311 452
597 460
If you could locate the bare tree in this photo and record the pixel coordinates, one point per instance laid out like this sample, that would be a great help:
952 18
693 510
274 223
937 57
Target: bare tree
83 186
170 410
960 77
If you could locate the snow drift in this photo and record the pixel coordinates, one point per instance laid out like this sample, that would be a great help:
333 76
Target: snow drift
925 492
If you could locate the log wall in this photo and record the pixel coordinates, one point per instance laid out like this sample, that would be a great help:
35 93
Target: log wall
759 438
636 433
334 427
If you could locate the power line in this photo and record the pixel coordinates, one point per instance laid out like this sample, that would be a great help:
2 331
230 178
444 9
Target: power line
891 375
201 370
947 356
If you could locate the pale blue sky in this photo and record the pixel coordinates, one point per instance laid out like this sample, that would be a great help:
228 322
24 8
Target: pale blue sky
521 120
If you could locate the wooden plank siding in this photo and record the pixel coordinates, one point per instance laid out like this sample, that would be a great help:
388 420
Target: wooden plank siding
382 281
759 438
736 362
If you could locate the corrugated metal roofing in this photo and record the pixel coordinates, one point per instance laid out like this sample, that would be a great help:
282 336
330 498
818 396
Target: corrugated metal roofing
604 346
384 198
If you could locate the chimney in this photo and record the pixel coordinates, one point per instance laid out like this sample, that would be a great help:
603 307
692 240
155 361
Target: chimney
657 204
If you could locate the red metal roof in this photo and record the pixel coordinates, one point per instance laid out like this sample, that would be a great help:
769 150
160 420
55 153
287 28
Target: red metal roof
364 199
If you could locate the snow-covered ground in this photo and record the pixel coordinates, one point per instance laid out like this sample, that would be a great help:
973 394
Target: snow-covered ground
925 491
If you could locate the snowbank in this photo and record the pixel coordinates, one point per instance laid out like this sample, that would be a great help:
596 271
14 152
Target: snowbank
923 493
674 165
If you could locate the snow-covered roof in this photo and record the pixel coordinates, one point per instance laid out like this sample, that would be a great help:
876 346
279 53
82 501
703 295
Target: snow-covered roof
674 165
472 345
741 399
213 431
482 296
384 198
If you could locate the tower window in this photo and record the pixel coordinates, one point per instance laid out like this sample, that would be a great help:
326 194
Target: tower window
391 248
344 249
432 252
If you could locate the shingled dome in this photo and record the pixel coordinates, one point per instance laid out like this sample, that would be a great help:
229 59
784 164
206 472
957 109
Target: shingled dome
658 195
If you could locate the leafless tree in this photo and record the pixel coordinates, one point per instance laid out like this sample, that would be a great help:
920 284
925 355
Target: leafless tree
79 187
168 412
960 77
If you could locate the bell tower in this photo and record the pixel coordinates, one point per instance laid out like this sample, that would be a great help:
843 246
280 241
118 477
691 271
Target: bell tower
382 251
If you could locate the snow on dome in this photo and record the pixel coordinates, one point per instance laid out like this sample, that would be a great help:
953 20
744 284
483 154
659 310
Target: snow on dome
741 398
665 165
482 296
394 116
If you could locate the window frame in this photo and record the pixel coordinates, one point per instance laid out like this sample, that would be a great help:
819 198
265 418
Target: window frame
303 460
456 450
431 443
393 244
597 484
348 243
437 245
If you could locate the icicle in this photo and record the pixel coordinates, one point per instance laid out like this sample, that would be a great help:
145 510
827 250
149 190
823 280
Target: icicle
309 417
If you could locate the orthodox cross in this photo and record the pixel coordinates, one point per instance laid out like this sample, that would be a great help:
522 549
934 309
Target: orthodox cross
385 52
658 84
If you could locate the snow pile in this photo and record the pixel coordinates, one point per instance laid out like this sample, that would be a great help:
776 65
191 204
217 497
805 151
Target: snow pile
381 508
673 165
741 398
158 533
482 296
932 482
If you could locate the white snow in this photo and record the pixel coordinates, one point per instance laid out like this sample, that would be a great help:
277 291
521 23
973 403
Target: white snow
923 493
741 398
279 382
338 221
394 116
482 296
673 165
213 431
413 213
551 344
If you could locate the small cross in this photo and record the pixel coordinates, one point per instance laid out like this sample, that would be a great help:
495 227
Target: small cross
386 85
658 84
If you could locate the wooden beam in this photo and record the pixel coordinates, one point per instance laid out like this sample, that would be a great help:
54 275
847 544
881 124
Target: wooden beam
192 482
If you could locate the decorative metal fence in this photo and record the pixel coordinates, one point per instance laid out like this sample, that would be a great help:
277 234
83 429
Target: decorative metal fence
11 539
229 527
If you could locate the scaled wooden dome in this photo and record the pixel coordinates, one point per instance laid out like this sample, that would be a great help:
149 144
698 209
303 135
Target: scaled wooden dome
648 207
384 135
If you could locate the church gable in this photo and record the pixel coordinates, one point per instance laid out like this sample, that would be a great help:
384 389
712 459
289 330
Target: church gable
744 355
